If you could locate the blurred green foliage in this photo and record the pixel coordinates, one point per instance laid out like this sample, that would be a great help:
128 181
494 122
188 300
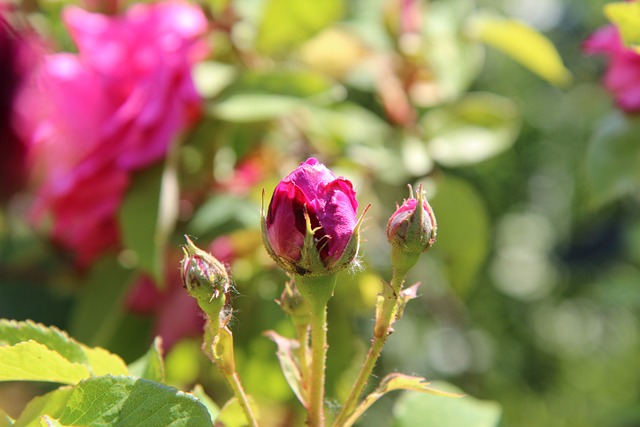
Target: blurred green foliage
531 295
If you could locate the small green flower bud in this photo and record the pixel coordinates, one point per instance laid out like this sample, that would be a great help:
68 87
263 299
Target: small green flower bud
412 228
205 278
294 304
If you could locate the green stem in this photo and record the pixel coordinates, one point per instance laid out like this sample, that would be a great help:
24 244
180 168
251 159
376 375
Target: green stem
236 386
218 346
317 291
389 303
303 357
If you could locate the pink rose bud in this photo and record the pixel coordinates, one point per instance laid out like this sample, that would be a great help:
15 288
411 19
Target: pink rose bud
412 228
311 226
205 279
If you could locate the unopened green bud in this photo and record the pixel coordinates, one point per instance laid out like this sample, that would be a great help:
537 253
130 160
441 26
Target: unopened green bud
205 278
295 305
412 228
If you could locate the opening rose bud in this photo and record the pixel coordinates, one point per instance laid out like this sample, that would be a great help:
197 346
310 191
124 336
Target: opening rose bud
412 228
311 226
205 279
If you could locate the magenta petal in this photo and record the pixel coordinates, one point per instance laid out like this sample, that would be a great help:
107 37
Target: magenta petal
286 225
339 216
309 176
605 40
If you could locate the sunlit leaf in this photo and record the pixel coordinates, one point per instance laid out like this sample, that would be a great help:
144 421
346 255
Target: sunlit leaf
150 366
32 361
523 44
232 414
254 107
47 421
415 409
259 96
214 410
477 127
52 404
398 382
14 332
626 16
211 77
286 23
613 158
110 400
97 360
453 60
463 231
286 354
103 362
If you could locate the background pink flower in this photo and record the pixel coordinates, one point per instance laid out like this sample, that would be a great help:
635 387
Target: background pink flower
114 108
622 77
18 53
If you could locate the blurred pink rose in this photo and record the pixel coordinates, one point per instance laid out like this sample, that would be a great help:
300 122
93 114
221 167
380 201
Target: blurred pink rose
97 116
622 77
18 54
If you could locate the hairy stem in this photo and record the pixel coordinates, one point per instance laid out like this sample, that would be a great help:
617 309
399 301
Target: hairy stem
387 310
236 386
317 291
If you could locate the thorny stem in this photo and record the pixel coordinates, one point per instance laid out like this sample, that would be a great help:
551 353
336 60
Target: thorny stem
303 356
234 382
218 346
317 291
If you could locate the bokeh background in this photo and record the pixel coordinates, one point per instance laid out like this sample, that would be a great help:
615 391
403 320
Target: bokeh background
531 295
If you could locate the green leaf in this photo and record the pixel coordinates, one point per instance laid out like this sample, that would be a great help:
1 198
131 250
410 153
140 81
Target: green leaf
47 421
58 347
626 16
148 214
454 61
214 410
52 404
219 210
479 126
260 96
101 362
232 414
397 382
151 365
463 231
286 354
14 332
523 44
109 400
32 361
99 309
286 23
613 157
419 409
254 107
211 77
